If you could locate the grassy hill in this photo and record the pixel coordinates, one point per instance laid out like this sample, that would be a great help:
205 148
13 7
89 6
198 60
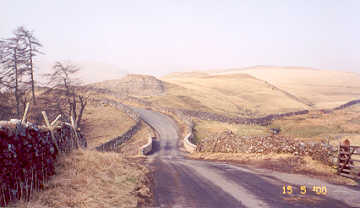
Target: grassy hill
233 95
321 88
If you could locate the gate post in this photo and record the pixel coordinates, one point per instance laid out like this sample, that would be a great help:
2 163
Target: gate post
344 155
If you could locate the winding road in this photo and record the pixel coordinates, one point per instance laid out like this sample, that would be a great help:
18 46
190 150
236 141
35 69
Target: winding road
181 182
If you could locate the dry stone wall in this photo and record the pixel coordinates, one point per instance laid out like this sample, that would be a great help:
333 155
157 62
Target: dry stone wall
348 104
113 143
188 145
27 156
147 148
228 142
239 120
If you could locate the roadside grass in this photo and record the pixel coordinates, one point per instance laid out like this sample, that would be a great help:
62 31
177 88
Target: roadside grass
131 147
204 129
87 178
103 123
280 162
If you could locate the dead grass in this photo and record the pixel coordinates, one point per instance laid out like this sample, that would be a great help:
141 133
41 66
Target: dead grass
104 123
280 162
204 129
131 147
88 178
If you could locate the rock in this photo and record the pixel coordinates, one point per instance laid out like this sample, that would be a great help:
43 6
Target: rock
15 121
132 84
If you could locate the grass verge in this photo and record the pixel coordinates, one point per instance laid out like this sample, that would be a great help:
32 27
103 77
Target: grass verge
88 178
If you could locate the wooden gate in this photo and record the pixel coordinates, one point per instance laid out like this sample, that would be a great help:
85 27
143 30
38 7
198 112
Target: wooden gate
349 160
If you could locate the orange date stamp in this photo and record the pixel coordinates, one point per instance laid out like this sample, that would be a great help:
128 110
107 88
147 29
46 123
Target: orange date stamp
319 190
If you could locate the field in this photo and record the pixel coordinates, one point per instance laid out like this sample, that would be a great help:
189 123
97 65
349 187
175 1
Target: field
334 126
103 123
204 129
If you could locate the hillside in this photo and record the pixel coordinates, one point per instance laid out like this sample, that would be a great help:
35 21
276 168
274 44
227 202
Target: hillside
233 95
320 88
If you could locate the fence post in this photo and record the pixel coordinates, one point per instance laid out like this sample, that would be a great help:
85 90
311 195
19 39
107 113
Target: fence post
338 159
51 130
75 132
25 113
56 119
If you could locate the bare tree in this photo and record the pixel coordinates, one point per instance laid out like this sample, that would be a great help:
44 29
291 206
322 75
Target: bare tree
13 66
32 49
63 78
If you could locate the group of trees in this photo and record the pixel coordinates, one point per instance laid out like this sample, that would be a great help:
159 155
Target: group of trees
16 60
17 69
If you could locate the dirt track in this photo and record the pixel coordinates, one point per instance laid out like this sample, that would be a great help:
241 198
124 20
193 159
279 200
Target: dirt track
181 182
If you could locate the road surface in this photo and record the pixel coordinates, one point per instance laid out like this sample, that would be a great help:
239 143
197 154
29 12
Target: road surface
181 182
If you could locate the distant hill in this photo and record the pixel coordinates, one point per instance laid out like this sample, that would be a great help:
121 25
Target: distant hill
257 67
321 88
134 85
186 74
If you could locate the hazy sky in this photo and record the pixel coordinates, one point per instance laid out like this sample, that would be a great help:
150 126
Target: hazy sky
161 36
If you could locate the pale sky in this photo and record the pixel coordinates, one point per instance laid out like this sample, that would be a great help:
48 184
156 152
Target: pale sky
161 36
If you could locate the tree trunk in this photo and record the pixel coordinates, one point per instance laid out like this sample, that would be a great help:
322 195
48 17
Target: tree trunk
32 76
82 107
74 106
16 85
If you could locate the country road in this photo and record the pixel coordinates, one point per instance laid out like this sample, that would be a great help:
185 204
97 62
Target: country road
181 182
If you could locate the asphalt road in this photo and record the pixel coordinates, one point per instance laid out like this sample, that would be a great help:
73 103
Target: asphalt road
181 182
